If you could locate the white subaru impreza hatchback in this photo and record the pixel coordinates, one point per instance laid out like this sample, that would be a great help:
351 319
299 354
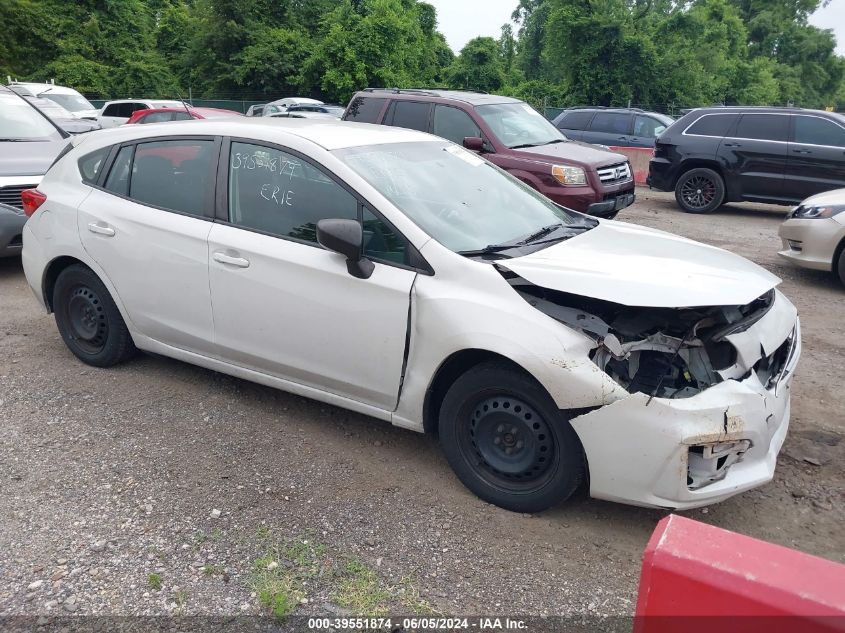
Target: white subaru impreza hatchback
395 274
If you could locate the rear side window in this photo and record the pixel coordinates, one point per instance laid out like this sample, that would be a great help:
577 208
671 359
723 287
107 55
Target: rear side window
91 164
112 109
157 117
712 125
763 127
453 124
812 130
364 110
611 122
118 180
281 194
647 126
576 120
180 116
409 114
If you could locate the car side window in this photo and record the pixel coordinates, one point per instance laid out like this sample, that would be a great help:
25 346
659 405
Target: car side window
453 124
412 115
611 122
364 110
576 120
180 116
174 175
717 125
112 110
118 180
812 130
279 193
763 127
91 164
381 241
157 117
647 126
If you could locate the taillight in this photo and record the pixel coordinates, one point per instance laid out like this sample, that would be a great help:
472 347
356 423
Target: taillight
32 199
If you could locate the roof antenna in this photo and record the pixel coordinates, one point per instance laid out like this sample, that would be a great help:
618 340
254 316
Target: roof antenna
184 105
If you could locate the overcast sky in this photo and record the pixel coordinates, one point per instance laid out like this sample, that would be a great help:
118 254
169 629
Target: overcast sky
462 20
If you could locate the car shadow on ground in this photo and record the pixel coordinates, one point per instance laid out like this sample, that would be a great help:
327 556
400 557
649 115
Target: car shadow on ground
767 212
10 267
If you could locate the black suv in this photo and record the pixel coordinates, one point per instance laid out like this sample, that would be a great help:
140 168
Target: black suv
616 127
732 154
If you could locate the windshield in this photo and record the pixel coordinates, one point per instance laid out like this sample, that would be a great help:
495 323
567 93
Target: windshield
74 103
459 199
19 121
519 125
50 108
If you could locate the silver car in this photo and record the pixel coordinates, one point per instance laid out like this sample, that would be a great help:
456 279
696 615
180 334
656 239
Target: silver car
814 233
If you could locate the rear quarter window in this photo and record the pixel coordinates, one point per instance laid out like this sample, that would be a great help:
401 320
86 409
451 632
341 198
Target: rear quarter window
364 110
90 165
576 120
712 125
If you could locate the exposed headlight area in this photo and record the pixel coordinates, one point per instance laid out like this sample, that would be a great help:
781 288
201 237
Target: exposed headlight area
812 212
567 175
660 352
709 463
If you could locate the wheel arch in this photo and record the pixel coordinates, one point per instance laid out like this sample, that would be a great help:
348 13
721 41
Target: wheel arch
837 253
52 272
457 364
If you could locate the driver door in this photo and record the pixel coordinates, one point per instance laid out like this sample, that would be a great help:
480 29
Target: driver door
282 304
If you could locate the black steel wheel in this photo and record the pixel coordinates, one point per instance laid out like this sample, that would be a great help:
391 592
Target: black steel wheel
507 441
700 190
88 319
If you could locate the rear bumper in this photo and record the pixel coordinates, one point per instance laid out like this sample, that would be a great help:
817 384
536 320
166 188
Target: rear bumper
660 174
11 231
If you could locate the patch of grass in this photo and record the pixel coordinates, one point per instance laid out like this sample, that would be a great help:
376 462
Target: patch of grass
181 600
212 569
216 534
411 600
154 581
262 532
200 537
361 591
158 552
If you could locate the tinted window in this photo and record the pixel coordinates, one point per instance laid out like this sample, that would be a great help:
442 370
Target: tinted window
118 180
174 175
180 116
112 109
611 122
410 114
157 117
382 242
91 164
278 193
125 110
816 131
576 120
712 125
364 110
453 124
647 126
764 127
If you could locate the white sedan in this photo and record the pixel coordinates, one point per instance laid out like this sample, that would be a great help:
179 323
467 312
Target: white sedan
401 276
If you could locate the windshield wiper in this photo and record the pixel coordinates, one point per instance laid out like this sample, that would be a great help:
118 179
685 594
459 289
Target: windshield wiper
546 230
524 145
17 140
492 249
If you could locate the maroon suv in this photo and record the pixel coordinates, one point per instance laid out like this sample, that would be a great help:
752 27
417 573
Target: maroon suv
512 135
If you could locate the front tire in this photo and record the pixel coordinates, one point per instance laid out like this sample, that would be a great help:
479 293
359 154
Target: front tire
88 319
507 441
700 190
840 266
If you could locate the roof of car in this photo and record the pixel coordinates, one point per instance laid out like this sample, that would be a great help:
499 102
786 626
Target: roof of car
40 87
472 98
329 133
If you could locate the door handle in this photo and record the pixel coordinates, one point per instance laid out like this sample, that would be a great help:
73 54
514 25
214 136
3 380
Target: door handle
802 151
101 229
229 260
732 145
622 138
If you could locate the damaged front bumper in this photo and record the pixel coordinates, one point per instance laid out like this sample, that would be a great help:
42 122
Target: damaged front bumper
689 452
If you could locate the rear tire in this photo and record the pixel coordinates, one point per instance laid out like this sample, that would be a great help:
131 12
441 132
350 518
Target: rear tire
88 319
507 441
700 190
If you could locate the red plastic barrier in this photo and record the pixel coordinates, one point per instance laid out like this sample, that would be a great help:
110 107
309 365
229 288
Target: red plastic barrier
639 157
696 577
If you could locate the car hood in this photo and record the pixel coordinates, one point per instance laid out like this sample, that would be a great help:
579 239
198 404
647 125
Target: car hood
572 152
637 266
86 114
28 158
836 196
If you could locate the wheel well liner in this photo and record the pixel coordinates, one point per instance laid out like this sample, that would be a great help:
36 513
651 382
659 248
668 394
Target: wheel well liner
449 371
54 269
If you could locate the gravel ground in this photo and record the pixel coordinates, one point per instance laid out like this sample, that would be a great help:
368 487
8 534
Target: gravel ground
160 488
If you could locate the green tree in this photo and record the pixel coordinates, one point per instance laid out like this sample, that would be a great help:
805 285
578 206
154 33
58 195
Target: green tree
479 66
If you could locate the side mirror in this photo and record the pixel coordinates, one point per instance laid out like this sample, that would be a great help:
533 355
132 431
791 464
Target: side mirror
347 238
474 143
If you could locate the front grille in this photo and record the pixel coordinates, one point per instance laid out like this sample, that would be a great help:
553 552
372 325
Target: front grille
11 195
615 173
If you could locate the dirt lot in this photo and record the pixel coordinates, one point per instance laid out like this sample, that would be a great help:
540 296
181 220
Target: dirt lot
158 487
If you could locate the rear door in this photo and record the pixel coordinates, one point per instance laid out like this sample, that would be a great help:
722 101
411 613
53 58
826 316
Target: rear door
609 128
413 115
755 152
285 306
816 156
147 226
